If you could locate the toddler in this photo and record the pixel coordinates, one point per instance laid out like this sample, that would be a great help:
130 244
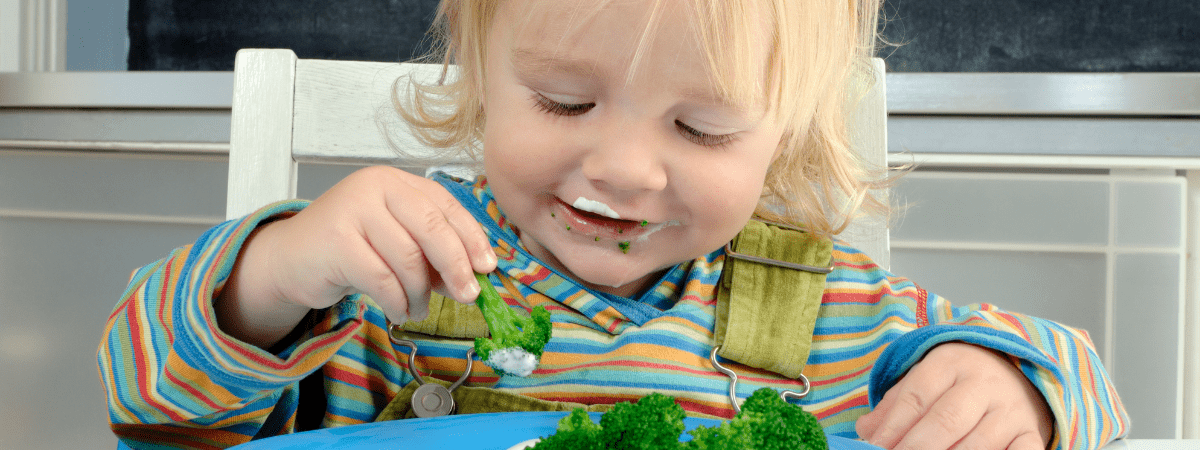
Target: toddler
626 147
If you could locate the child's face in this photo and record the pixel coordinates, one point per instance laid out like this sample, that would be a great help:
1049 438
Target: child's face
565 121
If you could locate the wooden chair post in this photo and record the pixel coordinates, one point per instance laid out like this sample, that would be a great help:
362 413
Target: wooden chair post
261 168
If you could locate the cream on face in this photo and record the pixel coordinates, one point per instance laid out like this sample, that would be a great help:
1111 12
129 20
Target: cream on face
595 207
605 224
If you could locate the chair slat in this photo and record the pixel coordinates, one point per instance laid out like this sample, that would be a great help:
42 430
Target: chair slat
261 169
343 109
868 134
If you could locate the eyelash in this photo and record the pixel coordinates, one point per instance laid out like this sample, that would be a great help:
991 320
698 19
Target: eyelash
701 138
697 137
561 109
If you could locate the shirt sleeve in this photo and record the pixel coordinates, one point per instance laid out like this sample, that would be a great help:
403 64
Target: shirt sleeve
1060 361
174 380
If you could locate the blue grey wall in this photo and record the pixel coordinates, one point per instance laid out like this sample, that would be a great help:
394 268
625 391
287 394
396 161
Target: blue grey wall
97 34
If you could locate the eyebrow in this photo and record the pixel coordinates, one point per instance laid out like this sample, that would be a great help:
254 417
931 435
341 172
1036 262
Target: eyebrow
531 61
706 96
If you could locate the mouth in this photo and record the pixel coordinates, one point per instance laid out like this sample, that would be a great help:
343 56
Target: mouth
597 225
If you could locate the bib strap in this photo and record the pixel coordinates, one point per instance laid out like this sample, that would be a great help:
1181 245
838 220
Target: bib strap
448 318
769 296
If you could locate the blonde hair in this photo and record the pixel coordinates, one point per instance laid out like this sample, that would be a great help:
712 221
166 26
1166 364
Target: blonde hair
817 69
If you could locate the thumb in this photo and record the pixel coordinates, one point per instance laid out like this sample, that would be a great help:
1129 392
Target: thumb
867 424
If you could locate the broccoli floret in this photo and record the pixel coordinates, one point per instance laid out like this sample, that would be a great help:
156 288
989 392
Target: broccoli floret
731 435
517 341
653 423
575 432
766 422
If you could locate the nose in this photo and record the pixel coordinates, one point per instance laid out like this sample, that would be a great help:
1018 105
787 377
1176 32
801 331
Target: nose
627 157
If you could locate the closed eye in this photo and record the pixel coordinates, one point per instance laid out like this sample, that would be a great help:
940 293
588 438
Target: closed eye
701 138
561 109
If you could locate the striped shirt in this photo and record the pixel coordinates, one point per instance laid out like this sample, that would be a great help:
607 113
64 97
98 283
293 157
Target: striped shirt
174 380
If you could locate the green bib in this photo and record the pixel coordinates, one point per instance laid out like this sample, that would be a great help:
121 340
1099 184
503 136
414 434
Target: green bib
767 303
770 293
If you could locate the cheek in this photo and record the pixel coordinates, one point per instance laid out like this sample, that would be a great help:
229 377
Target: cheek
512 143
736 181
730 189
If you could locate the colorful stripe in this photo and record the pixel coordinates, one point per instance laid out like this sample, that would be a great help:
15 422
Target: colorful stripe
173 380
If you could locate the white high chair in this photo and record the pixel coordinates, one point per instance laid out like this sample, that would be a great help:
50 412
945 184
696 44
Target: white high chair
288 110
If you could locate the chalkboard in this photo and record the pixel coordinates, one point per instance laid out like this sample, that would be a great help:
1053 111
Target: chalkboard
932 35
1042 35
206 34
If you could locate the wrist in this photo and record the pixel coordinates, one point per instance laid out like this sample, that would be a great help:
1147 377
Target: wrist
247 307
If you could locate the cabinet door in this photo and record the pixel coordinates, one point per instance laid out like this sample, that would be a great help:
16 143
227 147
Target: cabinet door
1101 252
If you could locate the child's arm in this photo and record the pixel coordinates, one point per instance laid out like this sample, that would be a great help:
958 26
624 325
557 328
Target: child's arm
384 232
941 390
175 378
172 378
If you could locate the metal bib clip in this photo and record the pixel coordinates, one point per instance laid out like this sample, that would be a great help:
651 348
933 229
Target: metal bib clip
431 399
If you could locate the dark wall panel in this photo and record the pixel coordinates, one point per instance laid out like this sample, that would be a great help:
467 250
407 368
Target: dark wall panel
205 35
934 35
1043 35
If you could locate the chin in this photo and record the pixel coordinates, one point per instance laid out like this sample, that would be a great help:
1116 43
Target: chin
607 280
613 275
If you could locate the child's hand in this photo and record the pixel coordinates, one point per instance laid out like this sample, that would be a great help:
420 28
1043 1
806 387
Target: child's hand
384 232
960 396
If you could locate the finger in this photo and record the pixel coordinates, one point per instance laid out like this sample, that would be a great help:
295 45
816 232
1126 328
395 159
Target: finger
373 277
955 414
1027 441
905 403
993 431
866 425
405 259
479 248
439 242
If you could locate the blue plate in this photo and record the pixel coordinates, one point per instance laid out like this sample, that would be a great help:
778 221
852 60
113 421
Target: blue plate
497 431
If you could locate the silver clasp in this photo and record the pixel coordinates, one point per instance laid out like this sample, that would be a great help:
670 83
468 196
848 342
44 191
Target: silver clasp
430 399
733 379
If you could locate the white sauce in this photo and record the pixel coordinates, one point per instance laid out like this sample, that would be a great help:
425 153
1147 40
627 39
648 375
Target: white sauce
513 360
595 207
655 228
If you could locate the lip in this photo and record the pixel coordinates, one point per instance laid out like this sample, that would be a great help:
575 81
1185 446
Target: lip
591 224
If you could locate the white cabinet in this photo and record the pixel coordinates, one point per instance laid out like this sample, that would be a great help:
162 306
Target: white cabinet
1101 252
1074 197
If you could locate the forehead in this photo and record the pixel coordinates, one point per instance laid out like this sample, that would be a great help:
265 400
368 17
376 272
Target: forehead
618 29
644 38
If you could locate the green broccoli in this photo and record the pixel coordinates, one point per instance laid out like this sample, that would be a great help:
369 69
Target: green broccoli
729 435
517 341
653 423
766 422
575 432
